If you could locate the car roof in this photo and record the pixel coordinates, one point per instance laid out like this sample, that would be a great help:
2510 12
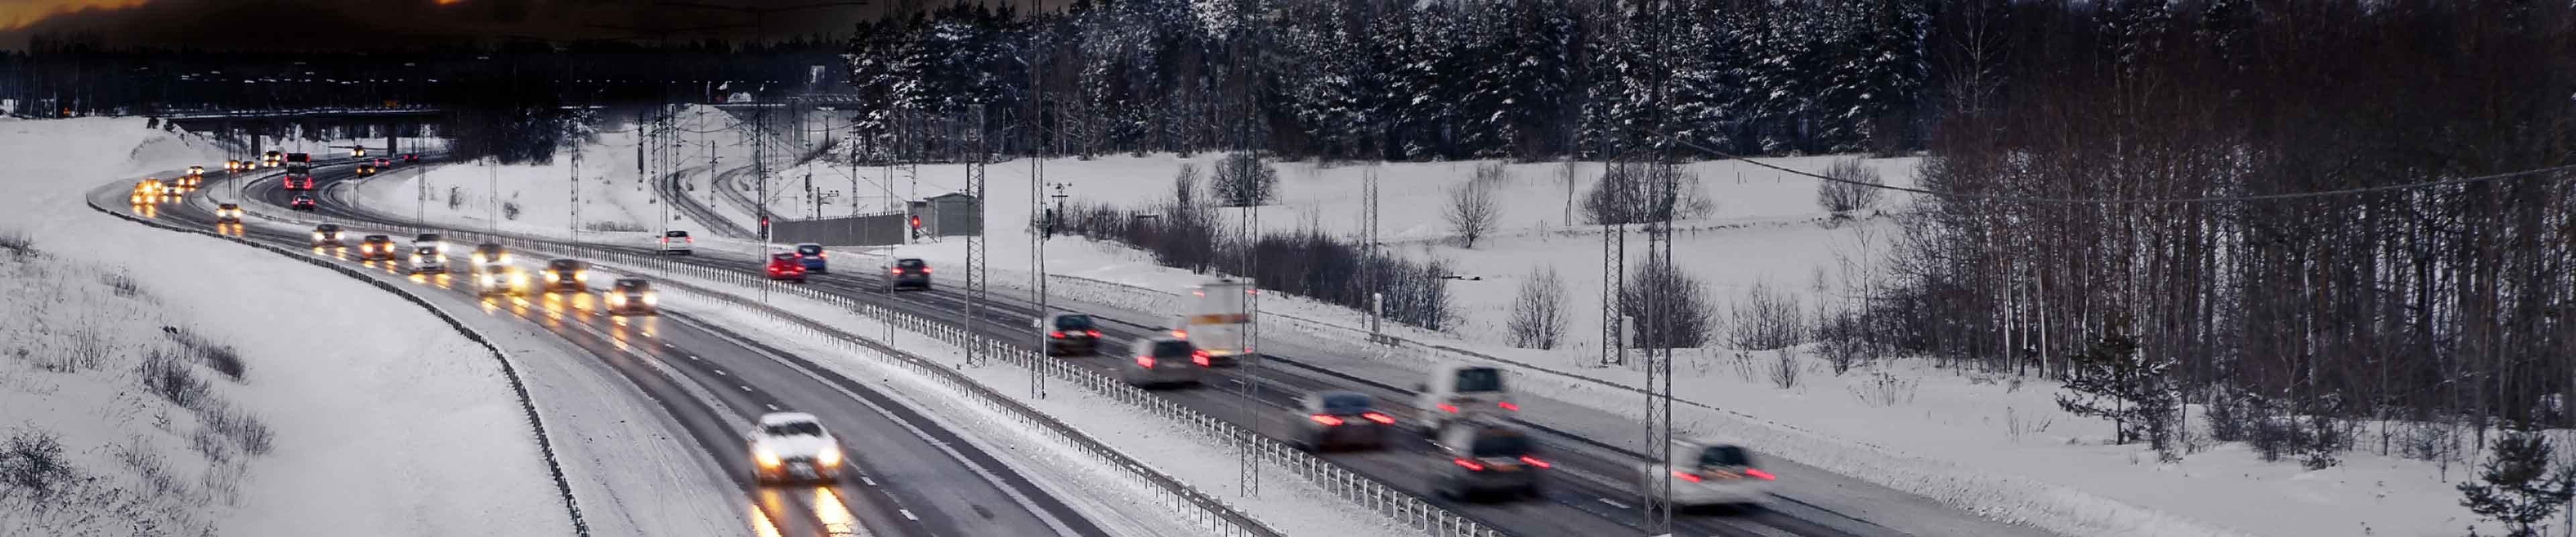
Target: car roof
375 237
782 418
622 281
805 244
327 226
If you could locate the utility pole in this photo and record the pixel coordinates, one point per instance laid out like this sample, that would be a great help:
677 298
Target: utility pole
1037 177
977 258
1659 251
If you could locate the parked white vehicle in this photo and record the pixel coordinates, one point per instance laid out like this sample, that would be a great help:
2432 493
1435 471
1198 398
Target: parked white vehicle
1459 392
793 445
1709 473
1217 314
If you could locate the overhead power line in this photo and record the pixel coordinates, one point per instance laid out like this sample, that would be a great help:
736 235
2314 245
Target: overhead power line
1722 155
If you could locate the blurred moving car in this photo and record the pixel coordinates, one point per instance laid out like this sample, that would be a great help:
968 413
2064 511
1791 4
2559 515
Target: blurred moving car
300 203
906 272
374 247
1341 419
1217 312
228 214
793 445
1070 334
327 235
501 280
1708 473
427 260
784 266
488 256
814 258
1458 392
566 275
632 296
674 242
149 191
430 240
1484 456
1162 360
366 170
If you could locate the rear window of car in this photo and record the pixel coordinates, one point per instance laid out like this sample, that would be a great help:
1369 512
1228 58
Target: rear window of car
809 249
910 263
1073 322
675 234
782 257
801 428
1499 445
1173 349
1346 403
1724 456
1480 379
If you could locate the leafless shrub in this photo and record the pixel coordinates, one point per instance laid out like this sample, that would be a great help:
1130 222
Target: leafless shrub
1784 370
1472 213
18 243
221 358
1244 181
455 197
612 226
148 464
121 282
1538 314
1884 389
81 349
1636 193
253 436
1666 308
33 462
1842 198
1844 340
510 210
173 380
210 444
1767 318
2427 441
2017 427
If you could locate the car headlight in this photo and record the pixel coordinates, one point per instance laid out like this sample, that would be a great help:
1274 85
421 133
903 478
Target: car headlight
649 300
830 457
317 235
581 276
765 458
616 300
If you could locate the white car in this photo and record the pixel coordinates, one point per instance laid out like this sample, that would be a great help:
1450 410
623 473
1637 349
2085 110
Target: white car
427 260
1710 473
789 445
1459 392
674 242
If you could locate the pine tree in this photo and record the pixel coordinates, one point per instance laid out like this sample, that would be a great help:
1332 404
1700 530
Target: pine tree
2113 380
2517 488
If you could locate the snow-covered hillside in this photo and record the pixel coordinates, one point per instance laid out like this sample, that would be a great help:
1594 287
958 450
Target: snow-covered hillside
192 388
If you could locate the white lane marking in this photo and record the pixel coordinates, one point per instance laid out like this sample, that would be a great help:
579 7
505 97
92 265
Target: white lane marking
693 357
720 372
907 515
772 408
870 482
744 388
1615 504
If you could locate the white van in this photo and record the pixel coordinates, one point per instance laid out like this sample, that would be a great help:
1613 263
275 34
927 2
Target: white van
1214 319
1456 393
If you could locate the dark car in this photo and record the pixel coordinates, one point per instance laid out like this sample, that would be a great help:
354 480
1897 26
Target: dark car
327 235
1070 334
814 258
906 272
411 157
632 296
785 266
375 247
300 203
366 170
565 275
1482 456
1341 419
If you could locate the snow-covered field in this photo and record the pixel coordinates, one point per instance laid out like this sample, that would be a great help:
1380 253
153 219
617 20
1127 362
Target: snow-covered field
378 419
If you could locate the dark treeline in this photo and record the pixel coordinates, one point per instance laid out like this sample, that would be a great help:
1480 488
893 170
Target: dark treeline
74 75
2292 320
1407 80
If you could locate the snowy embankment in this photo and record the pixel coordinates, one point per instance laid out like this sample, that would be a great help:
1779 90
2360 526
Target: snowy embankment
192 385
1999 446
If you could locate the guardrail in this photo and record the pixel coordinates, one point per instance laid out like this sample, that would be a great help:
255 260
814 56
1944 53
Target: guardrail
527 405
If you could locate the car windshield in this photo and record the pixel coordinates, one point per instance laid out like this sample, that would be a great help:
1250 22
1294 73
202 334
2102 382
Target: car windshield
1480 379
228 206
1173 349
631 285
797 428
1724 456
488 248
910 263
1073 322
809 249
563 264
1346 403
1499 445
426 237
326 227
378 238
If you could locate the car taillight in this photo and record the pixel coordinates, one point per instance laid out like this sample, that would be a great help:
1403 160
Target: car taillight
1145 362
1533 461
1449 408
1687 476
1470 464
1199 357
689 239
926 270
1326 419
897 272
1381 419
1762 475
1057 334
1180 333
825 255
1092 333
1507 405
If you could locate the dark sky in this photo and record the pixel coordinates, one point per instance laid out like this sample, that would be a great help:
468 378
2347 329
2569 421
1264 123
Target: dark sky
389 24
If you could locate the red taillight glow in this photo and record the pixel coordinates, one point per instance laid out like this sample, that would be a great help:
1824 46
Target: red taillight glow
1507 405
1145 362
1471 465
1533 461
1199 357
1327 420
1382 419
1687 476
1092 333
1762 475
1057 335
1180 333
897 272
1449 408
926 270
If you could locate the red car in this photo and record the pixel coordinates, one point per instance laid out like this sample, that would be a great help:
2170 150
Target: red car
786 266
298 182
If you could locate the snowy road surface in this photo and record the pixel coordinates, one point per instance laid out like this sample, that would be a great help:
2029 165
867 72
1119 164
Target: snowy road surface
711 386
